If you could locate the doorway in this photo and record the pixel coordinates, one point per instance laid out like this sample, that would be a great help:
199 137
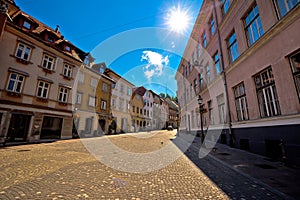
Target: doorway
18 127
51 128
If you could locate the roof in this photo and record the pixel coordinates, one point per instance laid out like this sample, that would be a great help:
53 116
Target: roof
171 104
139 90
109 71
39 29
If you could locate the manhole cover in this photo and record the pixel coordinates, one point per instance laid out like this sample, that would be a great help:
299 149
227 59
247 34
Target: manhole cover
265 166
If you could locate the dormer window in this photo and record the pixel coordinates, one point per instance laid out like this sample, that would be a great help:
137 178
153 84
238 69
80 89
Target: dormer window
68 48
26 25
50 39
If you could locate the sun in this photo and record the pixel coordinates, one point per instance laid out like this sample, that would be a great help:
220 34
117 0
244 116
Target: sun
178 20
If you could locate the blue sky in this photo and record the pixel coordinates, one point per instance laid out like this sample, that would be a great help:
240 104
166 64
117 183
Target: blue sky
131 36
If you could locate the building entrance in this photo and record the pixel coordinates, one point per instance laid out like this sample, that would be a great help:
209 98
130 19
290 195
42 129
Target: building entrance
18 127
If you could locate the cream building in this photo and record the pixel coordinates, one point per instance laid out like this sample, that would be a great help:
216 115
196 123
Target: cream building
120 102
38 68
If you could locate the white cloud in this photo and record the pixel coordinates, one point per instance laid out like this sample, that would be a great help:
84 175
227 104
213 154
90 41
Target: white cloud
155 64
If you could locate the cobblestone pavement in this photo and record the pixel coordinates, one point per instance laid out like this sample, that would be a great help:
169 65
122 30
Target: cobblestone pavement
228 175
67 170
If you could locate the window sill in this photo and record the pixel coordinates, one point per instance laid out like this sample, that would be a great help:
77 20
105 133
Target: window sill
14 94
50 71
20 60
62 103
67 77
42 99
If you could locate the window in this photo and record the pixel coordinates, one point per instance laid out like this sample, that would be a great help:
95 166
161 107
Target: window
15 83
210 112
212 26
104 87
133 108
81 77
201 81
23 51
295 64
103 104
128 91
198 51
122 88
137 110
221 107
50 39
225 6
68 48
121 104
94 82
233 47
266 93
207 74
195 84
26 25
217 63
190 67
253 26
113 102
204 42
241 102
78 98
48 62
92 101
63 95
283 6
43 89
67 70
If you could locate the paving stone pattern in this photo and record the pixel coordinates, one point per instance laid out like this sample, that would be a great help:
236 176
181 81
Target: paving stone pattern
66 170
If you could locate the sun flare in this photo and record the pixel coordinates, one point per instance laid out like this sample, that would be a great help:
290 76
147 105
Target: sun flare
178 20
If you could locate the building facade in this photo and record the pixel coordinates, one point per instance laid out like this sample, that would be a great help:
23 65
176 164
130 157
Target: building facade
120 101
38 67
137 105
249 78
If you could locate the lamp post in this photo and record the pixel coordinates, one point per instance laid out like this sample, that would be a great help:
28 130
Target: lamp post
201 111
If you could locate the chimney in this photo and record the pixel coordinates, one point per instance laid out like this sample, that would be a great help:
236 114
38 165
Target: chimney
3 16
57 29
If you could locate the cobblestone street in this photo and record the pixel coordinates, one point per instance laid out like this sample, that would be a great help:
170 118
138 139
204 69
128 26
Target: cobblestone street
67 169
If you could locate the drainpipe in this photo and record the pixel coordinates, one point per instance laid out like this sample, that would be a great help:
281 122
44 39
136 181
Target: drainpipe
231 137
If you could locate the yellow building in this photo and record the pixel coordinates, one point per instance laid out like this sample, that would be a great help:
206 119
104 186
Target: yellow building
38 68
137 108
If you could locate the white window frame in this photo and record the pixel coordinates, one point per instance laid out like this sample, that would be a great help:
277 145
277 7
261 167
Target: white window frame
23 51
241 102
63 94
92 101
266 94
81 77
68 70
128 91
43 88
104 87
48 62
103 105
17 84
94 82
78 98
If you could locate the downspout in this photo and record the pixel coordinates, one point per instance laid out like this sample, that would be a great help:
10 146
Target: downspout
231 136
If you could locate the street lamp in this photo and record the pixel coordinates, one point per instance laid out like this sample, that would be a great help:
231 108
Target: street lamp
201 111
